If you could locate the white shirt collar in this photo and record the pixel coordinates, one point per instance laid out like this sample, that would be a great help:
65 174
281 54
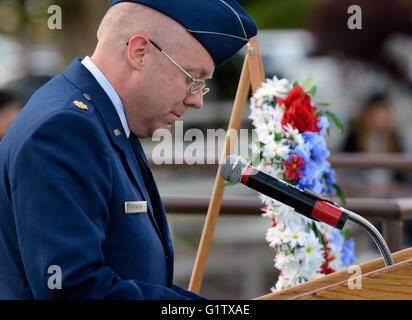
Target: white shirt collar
108 88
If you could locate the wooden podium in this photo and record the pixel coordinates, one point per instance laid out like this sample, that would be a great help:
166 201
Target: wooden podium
378 282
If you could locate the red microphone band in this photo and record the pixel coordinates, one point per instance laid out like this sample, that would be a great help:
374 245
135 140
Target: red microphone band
246 174
328 213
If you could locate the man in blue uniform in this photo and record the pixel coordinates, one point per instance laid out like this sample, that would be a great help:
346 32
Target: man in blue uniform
80 213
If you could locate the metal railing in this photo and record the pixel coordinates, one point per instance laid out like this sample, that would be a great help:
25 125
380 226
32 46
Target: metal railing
397 162
392 212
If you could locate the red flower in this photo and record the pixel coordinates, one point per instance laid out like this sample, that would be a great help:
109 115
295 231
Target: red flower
299 112
292 171
325 268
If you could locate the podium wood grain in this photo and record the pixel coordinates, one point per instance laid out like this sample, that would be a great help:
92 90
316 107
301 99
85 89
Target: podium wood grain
391 283
335 278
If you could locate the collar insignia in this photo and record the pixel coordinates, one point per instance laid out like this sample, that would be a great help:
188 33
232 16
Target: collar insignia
80 105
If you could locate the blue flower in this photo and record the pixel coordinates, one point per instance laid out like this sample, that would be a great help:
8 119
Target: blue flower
310 183
317 146
302 151
323 124
329 179
348 253
329 174
329 190
311 170
336 239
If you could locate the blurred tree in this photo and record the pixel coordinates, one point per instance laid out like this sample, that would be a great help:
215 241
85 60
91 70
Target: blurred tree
81 20
280 14
26 21
380 19
24 18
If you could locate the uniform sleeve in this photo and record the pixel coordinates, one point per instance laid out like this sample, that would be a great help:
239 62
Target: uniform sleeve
189 294
61 187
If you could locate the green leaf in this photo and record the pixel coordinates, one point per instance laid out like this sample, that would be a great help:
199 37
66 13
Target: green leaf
319 235
323 103
227 183
312 91
335 119
248 157
278 136
319 113
256 158
308 83
295 84
340 194
344 232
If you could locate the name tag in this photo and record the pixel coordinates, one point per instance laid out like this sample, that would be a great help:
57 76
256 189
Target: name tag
135 206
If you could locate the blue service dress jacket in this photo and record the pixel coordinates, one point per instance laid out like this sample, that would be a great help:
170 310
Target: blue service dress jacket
67 171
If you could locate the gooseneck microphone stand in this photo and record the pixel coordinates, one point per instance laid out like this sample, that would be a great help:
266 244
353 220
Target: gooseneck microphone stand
374 233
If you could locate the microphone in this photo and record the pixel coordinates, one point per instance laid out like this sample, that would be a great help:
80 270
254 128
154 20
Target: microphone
235 169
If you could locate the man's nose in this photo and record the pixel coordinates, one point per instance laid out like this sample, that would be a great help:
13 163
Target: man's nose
194 100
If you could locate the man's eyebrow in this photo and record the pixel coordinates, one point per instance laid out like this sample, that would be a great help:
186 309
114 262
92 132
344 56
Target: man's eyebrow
204 73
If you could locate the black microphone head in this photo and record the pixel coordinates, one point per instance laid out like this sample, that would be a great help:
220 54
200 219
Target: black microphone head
232 168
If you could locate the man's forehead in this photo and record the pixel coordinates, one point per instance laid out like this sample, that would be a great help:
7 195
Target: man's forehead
221 26
192 56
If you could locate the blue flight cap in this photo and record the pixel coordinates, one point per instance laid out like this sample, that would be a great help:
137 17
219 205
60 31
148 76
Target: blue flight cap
221 26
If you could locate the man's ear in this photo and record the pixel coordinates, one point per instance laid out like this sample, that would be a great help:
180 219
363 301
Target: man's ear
137 50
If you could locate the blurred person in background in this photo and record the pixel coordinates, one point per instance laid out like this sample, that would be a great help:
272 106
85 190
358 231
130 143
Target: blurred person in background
23 87
10 107
373 130
14 95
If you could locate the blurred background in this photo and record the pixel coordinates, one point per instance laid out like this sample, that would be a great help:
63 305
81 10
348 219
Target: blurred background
366 74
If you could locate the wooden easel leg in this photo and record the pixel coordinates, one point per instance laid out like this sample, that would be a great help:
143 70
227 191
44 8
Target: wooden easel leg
217 194
252 73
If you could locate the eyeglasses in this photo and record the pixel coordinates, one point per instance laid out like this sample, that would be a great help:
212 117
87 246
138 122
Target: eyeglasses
196 85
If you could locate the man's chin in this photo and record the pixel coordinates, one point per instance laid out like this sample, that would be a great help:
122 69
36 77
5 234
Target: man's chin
166 126
162 129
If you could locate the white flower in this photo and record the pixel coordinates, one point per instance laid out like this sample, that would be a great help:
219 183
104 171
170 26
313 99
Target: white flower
266 200
294 135
276 149
312 252
280 86
272 88
273 236
325 229
288 216
296 238
281 284
265 134
336 263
